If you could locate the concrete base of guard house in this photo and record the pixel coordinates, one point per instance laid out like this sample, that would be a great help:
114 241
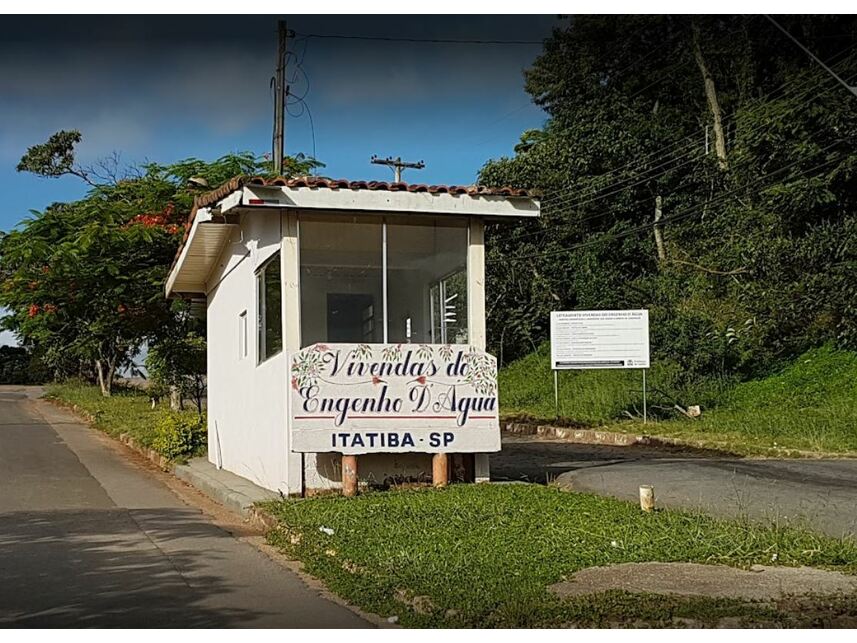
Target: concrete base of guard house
232 491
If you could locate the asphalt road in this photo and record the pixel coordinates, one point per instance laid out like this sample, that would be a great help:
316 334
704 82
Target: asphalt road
91 539
820 494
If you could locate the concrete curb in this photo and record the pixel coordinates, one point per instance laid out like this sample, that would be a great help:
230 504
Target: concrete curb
581 436
230 498
615 438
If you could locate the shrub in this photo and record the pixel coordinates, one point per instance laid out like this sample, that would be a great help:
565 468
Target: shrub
179 435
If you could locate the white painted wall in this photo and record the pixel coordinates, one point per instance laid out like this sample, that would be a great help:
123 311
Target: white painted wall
246 401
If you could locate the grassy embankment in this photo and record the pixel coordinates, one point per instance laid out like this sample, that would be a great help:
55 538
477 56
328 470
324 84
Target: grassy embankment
479 555
176 435
811 405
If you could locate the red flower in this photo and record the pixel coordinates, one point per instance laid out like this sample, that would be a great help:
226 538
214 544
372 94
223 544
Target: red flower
322 348
377 380
50 308
295 383
122 309
33 310
422 379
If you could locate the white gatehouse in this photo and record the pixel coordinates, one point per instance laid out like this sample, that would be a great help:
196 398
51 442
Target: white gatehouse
375 290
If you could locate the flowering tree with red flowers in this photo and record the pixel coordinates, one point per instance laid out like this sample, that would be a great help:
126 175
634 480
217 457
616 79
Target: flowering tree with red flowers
84 281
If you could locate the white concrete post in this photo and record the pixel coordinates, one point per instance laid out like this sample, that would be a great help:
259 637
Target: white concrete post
476 312
291 298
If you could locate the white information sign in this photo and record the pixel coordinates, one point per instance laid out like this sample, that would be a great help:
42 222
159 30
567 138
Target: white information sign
392 398
599 339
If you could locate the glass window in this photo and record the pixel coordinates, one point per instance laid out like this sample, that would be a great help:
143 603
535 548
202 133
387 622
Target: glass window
341 279
427 280
270 312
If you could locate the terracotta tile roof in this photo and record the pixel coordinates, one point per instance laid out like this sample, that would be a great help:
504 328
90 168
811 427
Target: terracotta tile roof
343 184
237 182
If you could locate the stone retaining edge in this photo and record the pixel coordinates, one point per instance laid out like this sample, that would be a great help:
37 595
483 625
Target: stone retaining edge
581 436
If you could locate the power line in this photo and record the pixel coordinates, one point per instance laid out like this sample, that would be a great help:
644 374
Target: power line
683 214
574 198
791 87
606 212
847 85
617 190
305 106
445 41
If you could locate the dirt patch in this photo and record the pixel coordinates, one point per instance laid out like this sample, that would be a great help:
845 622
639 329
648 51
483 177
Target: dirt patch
760 582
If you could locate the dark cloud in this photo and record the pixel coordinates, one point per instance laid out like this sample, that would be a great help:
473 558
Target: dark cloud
121 78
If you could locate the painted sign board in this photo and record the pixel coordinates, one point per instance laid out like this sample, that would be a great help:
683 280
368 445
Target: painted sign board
393 398
599 339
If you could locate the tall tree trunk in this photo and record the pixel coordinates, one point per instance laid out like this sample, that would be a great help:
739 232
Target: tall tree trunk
106 371
111 373
659 237
176 402
100 368
713 103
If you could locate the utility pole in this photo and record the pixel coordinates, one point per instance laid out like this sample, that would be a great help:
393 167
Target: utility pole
280 91
397 165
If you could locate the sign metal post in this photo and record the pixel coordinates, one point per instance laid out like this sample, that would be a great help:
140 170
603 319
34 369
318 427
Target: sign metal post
596 339
644 396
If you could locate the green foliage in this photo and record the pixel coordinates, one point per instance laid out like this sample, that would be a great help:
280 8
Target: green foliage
20 366
177 360
128 410
53 158
510 542
760 256
806 406
809 405
176 435
83 281
179 435
598 397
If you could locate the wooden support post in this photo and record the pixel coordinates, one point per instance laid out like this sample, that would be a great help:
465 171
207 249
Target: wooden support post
349 475
440 469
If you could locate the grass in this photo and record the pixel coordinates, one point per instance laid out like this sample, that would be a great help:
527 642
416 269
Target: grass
484 555
810 406
128 410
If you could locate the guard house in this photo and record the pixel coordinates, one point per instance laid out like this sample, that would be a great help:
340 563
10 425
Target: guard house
288 263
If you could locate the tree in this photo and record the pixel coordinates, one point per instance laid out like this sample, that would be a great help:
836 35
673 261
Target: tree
84 280
177 360
758 233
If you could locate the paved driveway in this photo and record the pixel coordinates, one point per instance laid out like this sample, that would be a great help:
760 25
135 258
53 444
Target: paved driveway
819 493
89 539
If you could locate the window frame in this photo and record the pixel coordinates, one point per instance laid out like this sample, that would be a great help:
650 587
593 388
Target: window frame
467 222
262 355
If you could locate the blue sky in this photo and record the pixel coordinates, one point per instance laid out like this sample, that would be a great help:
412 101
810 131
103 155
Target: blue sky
170 88
167 88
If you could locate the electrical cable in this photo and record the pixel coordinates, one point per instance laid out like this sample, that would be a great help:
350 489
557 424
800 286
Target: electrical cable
445 41
573 199
791 88
683 214
602 214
